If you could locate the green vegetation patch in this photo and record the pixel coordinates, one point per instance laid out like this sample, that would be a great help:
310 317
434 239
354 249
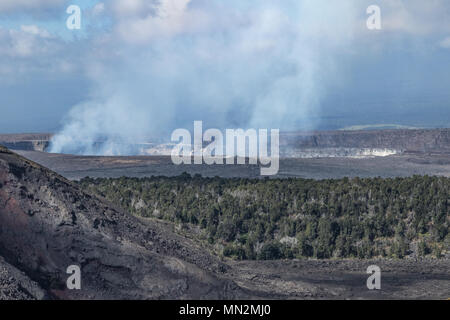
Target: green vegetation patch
295 218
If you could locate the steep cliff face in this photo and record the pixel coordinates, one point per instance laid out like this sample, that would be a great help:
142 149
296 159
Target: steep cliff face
30 142
48 224
407 140
31 145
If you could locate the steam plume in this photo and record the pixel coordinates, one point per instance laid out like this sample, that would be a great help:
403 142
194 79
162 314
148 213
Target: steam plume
233 64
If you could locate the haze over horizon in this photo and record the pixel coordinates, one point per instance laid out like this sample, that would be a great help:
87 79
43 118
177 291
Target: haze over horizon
146 67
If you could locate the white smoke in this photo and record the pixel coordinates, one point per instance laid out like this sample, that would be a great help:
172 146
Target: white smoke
231 64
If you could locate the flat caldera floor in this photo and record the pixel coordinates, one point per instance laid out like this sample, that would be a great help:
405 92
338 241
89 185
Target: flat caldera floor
76 167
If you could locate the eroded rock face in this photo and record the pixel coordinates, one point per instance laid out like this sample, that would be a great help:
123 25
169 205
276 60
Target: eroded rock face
47 224
418 140
16 285
30 142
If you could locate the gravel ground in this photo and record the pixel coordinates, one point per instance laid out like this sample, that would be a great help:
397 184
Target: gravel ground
77 167
345 279
15 285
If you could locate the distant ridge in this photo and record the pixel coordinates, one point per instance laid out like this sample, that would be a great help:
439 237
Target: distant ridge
378 127
398 138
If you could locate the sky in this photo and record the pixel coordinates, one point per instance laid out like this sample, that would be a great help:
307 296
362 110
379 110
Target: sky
141 68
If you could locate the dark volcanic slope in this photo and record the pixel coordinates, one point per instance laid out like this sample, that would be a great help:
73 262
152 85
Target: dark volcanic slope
16 285
47 224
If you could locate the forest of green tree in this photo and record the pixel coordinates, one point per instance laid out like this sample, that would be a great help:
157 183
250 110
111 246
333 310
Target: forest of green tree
296 218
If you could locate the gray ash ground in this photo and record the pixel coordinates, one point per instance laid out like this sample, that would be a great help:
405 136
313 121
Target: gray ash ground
76 167
346 279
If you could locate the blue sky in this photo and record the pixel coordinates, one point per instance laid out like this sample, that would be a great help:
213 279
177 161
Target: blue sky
142 68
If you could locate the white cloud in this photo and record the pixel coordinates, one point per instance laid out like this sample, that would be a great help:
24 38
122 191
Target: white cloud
28 49
124 8
99 8
415 17
19 5
139 20
30 40
22 44
35 30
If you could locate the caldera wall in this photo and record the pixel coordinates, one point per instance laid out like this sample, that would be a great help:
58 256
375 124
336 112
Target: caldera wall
296 144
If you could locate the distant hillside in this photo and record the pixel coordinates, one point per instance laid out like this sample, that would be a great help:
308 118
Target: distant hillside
379 127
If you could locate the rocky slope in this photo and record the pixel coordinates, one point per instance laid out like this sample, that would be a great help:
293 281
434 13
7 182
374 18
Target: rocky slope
47 224
16 285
